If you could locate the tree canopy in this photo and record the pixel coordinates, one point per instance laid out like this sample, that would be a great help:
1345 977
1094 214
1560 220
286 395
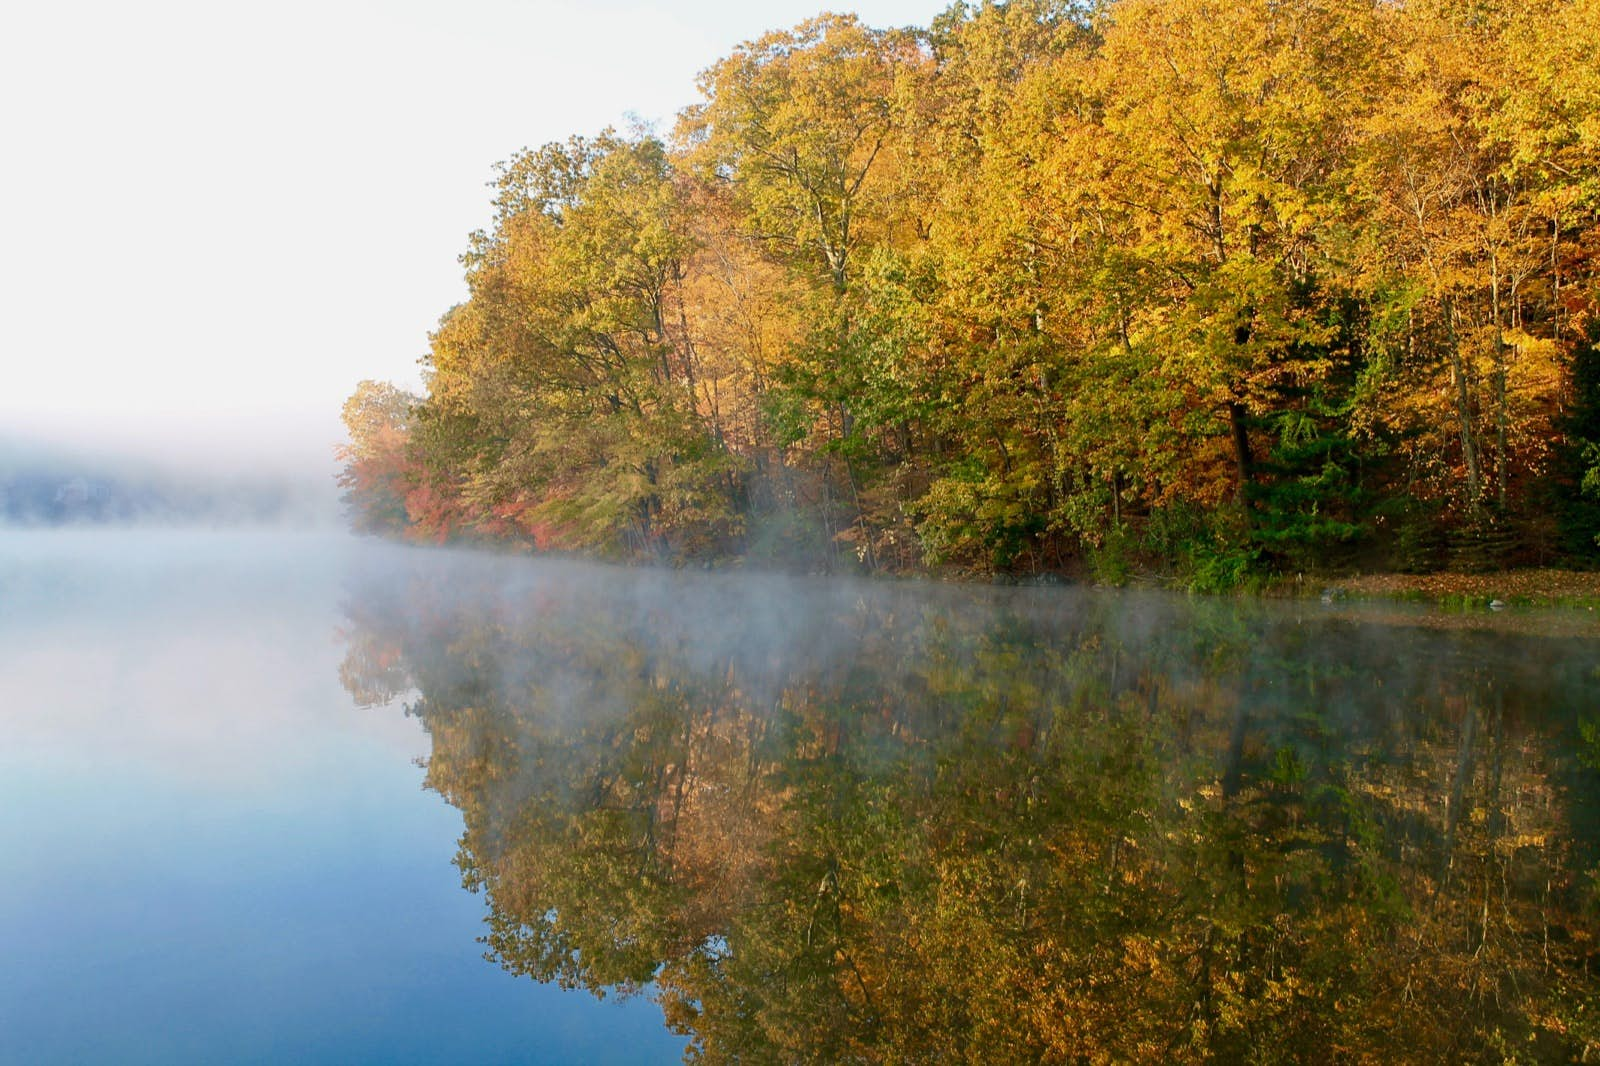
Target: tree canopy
1217 286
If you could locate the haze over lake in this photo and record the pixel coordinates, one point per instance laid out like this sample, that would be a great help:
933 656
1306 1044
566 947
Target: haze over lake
416 419
213 855
798 818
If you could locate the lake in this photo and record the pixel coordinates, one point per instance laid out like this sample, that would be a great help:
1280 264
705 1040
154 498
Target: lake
295 797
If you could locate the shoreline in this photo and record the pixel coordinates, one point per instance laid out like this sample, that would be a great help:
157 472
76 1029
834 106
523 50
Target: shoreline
1539 587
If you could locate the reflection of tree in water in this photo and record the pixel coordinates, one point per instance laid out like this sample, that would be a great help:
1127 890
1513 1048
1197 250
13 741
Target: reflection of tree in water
861 823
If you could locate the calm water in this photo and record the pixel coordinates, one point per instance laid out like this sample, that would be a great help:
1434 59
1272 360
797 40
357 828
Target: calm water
210 854
275 798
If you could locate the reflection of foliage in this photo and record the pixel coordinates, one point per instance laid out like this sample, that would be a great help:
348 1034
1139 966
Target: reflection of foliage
1589 752
842 823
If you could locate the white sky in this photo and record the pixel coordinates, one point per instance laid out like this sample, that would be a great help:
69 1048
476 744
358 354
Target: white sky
221 216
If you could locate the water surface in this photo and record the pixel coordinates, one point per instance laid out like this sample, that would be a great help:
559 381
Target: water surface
773 819
211 854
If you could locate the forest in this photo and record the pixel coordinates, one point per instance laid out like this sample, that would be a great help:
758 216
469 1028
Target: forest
1210 289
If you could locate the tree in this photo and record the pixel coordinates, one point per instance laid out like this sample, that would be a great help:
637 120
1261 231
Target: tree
1217 286
798 123
572 364
378 473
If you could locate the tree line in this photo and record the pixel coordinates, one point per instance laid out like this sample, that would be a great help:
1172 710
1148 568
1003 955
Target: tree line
1225 288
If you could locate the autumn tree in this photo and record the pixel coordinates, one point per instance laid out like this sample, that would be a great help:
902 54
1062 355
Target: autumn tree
1218 288
571 369
798 127
377 475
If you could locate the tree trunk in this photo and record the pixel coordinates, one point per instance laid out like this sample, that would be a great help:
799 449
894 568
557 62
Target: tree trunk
1458 792
1241 450
1499 388
1469 447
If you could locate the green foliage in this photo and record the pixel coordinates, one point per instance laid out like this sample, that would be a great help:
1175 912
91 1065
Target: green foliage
1591 476
1578 494
1213 550
1112 561
1222 567
1418 545
972 518
1308 504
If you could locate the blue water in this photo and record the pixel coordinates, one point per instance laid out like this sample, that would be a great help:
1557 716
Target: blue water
209 854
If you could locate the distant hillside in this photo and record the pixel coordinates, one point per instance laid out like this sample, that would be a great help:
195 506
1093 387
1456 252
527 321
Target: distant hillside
48 486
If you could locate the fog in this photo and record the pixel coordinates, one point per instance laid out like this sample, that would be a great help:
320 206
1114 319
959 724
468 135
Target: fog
212 853
245 470
188 650
248 772
773 632
943 813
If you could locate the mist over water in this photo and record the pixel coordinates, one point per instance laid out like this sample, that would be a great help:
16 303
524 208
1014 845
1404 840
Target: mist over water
846 821
230 471
248 775
212 854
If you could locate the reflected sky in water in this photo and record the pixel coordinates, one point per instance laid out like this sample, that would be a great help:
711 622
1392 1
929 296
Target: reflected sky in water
211 854
270 797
